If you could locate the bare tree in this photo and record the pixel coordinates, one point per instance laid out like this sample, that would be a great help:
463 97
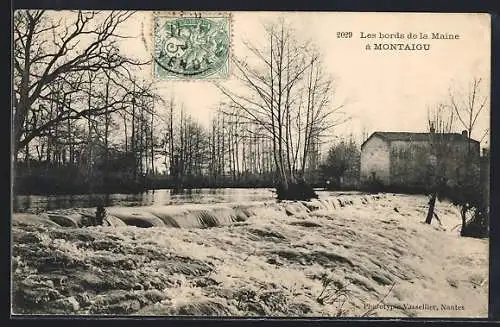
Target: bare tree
440 123
471 193
287 95
468 106
47 50
342 161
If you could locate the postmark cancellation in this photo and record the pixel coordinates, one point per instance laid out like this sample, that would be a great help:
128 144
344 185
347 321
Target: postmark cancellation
191 46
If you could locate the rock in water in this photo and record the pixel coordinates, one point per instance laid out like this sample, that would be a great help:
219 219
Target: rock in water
114 221
64 221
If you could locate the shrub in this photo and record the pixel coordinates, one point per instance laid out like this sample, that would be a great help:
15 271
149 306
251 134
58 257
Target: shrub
300 191
373 185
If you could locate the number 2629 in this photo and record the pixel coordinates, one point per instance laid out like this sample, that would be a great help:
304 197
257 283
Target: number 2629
344 35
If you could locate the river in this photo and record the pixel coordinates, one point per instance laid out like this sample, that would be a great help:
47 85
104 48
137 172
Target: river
40 203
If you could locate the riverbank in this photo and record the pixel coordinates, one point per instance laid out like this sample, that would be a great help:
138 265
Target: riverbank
351 255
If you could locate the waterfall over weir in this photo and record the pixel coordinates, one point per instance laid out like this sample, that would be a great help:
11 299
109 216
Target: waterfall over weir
183 216
190 215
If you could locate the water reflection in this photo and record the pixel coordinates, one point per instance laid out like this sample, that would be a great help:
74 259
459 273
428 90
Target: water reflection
39 203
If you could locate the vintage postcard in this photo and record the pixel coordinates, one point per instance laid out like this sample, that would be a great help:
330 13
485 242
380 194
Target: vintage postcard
250 164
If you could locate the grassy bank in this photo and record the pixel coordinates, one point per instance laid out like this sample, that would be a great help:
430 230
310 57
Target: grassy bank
284 259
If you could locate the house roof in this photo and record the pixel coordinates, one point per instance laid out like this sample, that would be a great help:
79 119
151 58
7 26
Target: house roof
415 137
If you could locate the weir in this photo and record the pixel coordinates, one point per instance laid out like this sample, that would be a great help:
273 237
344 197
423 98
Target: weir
190 215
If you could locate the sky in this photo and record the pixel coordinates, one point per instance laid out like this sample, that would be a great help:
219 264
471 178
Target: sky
382 90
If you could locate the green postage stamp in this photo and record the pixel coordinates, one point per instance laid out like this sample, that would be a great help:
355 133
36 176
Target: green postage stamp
191 46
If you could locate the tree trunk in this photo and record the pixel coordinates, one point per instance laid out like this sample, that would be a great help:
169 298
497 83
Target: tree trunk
133 137
125 131
151 136
106 130
463 212
23 105
432 204
171 137
89 136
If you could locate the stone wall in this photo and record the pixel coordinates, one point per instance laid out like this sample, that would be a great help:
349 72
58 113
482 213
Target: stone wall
411 163
375 160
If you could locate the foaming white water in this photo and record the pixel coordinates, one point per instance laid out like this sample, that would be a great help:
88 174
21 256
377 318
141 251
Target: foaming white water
202 215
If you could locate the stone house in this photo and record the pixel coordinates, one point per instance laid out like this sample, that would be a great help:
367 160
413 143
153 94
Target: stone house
407 160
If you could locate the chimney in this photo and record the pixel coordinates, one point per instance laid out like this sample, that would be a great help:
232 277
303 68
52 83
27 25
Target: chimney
465 133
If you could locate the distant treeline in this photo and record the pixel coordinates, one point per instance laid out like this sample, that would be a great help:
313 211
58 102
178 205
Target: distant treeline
43 178
202 159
